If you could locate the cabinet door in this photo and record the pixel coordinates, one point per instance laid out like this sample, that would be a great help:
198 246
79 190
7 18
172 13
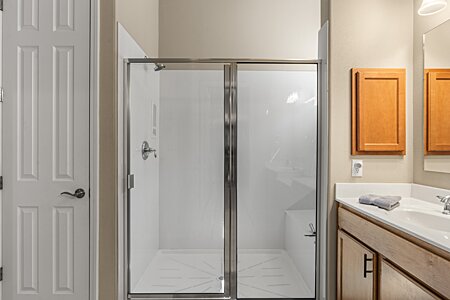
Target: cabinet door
378 111
437 110
394 284
356 269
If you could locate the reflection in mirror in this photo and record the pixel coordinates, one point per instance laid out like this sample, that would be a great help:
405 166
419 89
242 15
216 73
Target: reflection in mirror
437 98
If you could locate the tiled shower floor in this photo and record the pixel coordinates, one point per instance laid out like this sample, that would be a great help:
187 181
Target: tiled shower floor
261 274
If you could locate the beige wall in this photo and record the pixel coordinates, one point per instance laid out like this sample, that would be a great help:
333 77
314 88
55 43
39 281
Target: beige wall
365 34
422 25
236 28
140 17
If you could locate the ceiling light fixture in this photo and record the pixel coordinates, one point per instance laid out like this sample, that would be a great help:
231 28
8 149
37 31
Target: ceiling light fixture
430 7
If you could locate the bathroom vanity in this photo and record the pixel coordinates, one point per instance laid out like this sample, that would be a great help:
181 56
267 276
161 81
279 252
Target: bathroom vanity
398 254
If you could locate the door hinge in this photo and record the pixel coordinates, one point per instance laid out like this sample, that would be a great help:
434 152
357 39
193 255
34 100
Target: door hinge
1 183
1 91
130 181
1 274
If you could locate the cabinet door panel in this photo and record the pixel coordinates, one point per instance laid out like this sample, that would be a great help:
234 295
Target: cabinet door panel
437 110
378 108
356 269
394 284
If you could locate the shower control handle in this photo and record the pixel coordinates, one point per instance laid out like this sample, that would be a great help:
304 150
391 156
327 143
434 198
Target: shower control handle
146 150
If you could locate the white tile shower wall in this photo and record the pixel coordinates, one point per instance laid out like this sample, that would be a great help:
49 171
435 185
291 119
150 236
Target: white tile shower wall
277 127
278 177
144 212
191 159
301 248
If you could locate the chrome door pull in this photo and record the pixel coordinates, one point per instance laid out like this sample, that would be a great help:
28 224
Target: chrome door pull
310 235
79 193
313 230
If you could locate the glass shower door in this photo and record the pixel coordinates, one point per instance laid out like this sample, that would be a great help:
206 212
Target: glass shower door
276 182
222 188
176 155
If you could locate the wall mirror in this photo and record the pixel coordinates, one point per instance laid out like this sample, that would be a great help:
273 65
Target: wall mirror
436 76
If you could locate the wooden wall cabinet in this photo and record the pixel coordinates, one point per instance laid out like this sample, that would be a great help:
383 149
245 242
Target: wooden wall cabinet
378 111
437 111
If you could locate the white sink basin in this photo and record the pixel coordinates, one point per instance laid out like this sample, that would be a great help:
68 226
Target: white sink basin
430 220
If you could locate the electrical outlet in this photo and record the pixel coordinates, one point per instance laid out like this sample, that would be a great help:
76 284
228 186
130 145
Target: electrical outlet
357 168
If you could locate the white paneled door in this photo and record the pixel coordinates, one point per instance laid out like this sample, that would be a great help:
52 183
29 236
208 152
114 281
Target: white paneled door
46 149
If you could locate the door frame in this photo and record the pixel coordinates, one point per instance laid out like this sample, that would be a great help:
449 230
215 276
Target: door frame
230 178
94 147
1 148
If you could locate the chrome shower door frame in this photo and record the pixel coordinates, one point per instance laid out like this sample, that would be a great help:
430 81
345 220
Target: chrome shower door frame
230 172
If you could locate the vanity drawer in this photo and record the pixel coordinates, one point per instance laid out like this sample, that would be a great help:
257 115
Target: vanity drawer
425 266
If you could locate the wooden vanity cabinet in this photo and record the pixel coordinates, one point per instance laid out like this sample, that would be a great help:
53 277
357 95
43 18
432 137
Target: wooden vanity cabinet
356 270
403 266
378 111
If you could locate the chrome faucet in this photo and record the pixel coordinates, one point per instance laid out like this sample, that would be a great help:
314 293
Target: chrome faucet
446 201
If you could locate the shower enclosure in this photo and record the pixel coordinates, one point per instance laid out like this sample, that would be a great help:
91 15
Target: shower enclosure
221 160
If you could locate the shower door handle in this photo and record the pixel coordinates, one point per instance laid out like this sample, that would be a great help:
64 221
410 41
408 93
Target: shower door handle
313 230
228 169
